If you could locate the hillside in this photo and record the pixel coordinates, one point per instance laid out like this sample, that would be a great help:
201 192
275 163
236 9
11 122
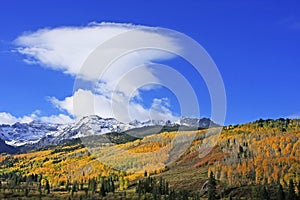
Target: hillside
246 159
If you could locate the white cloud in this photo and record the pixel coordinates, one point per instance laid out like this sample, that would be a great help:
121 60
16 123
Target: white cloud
117 107
67 48
57 119
7 118
64 48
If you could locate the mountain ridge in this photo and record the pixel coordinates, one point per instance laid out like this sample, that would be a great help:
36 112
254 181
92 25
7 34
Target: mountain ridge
39 134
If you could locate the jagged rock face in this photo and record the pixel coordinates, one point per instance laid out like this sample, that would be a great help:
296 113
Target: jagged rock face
195 122
42 134
92 125
5 148
137 123
26 133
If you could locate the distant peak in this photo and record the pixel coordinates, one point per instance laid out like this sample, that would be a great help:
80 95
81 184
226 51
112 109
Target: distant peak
92 117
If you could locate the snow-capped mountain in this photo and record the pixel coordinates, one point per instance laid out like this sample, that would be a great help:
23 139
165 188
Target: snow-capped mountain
195 122
87 126
91 125
138 124
41 134
22 133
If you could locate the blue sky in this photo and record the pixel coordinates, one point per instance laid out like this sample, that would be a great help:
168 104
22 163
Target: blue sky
255 45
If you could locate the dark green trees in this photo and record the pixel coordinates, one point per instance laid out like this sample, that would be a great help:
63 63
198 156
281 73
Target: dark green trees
156 187
40 185
106 186
280 193
291 195
212 187
298 189
74 188
102 190
47 186
264 194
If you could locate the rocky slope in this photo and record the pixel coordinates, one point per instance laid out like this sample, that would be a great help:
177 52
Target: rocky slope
41 134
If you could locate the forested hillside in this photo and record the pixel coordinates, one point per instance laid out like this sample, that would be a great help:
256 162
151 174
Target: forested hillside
257 160
262 152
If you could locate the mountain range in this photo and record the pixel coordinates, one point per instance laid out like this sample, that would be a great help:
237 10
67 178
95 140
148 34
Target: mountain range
40 134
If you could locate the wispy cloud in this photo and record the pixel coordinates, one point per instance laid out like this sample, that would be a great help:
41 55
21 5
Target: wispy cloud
294 116
291 23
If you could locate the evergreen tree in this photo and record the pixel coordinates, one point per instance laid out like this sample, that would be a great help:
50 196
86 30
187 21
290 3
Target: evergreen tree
112 186
68 186
26 191
47 186
74 188
167 188
102 190
280 193
81 185
86 191
212 187
155 193
291 195
264 194
94 185
40 185
298 188
161 186
139 190
172 195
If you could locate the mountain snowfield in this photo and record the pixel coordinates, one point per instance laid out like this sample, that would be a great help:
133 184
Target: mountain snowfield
42 134
26 133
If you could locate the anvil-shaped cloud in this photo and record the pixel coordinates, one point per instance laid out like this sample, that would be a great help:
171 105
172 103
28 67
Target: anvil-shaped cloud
67 48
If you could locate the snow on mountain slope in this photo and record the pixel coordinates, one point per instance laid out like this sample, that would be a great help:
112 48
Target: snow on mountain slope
138 124
42 134
22 133
92 125
195 122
